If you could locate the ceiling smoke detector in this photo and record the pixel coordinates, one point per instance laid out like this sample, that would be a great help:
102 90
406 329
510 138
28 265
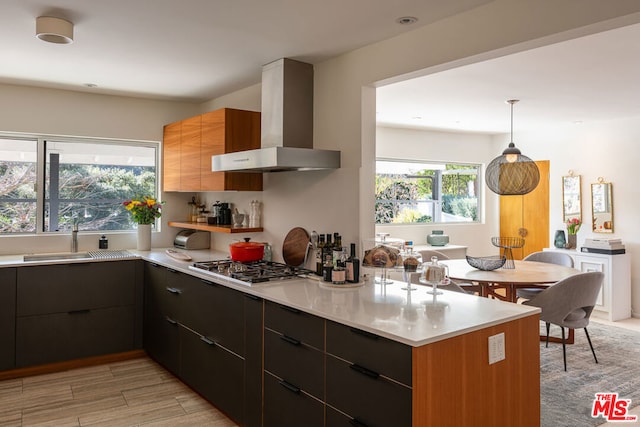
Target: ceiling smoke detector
54 30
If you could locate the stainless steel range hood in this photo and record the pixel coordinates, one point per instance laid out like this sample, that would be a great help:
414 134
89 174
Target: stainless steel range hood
287 126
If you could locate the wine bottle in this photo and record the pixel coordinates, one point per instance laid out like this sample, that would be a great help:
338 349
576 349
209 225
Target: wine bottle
328 248
352 266
319 258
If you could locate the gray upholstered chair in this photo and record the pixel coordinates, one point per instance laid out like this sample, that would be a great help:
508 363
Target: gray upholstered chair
548 257
465 287
569 304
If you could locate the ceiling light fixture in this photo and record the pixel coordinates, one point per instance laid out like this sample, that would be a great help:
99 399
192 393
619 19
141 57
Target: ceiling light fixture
407 20
512 173
54 30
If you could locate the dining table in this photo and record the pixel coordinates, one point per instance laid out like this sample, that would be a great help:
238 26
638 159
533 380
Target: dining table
503 283
526 274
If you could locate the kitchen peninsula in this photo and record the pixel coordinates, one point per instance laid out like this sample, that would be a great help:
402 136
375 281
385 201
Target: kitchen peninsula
385 356
332 356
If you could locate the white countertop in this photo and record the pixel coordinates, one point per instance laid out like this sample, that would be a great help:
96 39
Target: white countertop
413 318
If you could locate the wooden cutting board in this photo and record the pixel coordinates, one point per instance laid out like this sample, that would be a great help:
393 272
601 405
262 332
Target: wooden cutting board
295 247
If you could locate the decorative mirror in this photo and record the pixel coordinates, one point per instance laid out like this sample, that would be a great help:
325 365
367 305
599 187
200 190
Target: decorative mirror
602 206
571 201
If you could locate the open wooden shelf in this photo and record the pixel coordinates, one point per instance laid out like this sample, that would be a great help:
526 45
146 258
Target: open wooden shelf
214 228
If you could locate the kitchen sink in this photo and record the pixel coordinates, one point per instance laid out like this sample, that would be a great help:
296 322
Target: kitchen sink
57 256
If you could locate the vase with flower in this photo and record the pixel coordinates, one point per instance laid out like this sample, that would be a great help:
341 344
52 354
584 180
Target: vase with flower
144 211
573 225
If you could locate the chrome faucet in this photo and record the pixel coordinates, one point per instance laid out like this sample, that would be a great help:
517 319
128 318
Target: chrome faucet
74 237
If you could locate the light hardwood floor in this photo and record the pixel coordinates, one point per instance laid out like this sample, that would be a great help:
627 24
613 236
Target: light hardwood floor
135 392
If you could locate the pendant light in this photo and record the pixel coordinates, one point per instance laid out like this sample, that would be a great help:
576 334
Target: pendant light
512 173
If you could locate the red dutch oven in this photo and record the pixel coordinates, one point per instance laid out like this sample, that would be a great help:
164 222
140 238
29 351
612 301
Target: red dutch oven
246 251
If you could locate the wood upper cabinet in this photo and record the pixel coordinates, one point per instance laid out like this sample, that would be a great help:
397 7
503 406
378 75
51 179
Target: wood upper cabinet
171 157
190 153
190 143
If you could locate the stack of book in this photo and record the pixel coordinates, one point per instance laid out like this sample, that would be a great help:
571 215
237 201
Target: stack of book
603 246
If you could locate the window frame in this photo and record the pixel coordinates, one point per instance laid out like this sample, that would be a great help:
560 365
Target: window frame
41 165
479 193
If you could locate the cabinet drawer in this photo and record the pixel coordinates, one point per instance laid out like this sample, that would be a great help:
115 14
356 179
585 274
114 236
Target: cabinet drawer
61 288
294 362
7 318
65 336
387 357
166 299
373 400
214 311
214 372
338 419
161 340
295 324
287 406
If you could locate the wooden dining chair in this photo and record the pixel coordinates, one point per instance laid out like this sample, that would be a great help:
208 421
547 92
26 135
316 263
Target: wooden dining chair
548 257
569 304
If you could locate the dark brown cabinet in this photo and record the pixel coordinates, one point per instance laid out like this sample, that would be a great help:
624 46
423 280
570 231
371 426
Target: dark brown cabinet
358 360
7 318
329 374
71 311
294 367
161 305
208 335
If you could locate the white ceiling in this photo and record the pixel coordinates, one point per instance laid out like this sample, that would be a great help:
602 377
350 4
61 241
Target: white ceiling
193 50
196 50
578 81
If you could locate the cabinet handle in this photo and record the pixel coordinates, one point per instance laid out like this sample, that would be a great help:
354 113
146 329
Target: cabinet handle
174 291
289 386
364 333
83 311
365 371
290 340
207 340
253 297
206 282
171 270
291 309
170 320
357 423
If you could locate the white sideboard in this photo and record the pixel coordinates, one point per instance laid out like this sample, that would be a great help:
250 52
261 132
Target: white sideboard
614 300
452 251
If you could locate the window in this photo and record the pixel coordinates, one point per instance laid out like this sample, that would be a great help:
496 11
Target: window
85 181
410 192
17 185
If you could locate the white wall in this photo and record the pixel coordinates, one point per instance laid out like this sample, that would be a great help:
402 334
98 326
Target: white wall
607 149
445 147
344 114
57 112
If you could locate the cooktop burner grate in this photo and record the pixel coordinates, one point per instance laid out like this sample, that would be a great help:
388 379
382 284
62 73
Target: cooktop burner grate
252 272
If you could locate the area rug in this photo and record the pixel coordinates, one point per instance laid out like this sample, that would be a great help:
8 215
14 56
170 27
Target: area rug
567 397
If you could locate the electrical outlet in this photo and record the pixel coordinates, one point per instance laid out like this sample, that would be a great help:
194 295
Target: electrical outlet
496 348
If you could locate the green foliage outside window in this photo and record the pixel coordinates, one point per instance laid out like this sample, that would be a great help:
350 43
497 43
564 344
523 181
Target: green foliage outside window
404 198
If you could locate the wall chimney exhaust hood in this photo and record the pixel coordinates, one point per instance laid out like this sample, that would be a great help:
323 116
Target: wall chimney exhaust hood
286 126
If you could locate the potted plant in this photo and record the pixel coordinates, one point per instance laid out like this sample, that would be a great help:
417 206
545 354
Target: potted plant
144 211
573 225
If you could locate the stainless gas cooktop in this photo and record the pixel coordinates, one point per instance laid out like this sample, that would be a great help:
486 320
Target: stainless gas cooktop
250 273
